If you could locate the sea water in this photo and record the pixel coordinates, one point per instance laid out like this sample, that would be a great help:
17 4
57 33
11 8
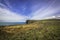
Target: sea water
11 23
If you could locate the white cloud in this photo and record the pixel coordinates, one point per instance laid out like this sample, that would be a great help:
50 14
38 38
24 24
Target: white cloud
2 5
44 12
9 16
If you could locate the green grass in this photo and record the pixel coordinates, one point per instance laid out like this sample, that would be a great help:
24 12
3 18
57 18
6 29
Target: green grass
43 30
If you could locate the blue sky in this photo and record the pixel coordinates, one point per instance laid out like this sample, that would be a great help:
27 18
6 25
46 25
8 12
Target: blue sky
22 10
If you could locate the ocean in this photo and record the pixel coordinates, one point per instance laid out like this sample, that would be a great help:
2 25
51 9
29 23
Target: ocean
11 23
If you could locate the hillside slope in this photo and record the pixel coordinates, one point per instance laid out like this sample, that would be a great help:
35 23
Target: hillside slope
35 30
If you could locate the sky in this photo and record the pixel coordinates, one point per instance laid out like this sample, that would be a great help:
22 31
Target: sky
22 10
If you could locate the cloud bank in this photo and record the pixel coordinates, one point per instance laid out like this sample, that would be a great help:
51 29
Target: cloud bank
46 11
9 16
42 13
6 15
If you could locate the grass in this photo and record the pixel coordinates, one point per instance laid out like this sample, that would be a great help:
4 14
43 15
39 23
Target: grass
37 30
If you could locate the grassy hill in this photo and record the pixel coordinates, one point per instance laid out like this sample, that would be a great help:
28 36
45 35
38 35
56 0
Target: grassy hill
33 30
